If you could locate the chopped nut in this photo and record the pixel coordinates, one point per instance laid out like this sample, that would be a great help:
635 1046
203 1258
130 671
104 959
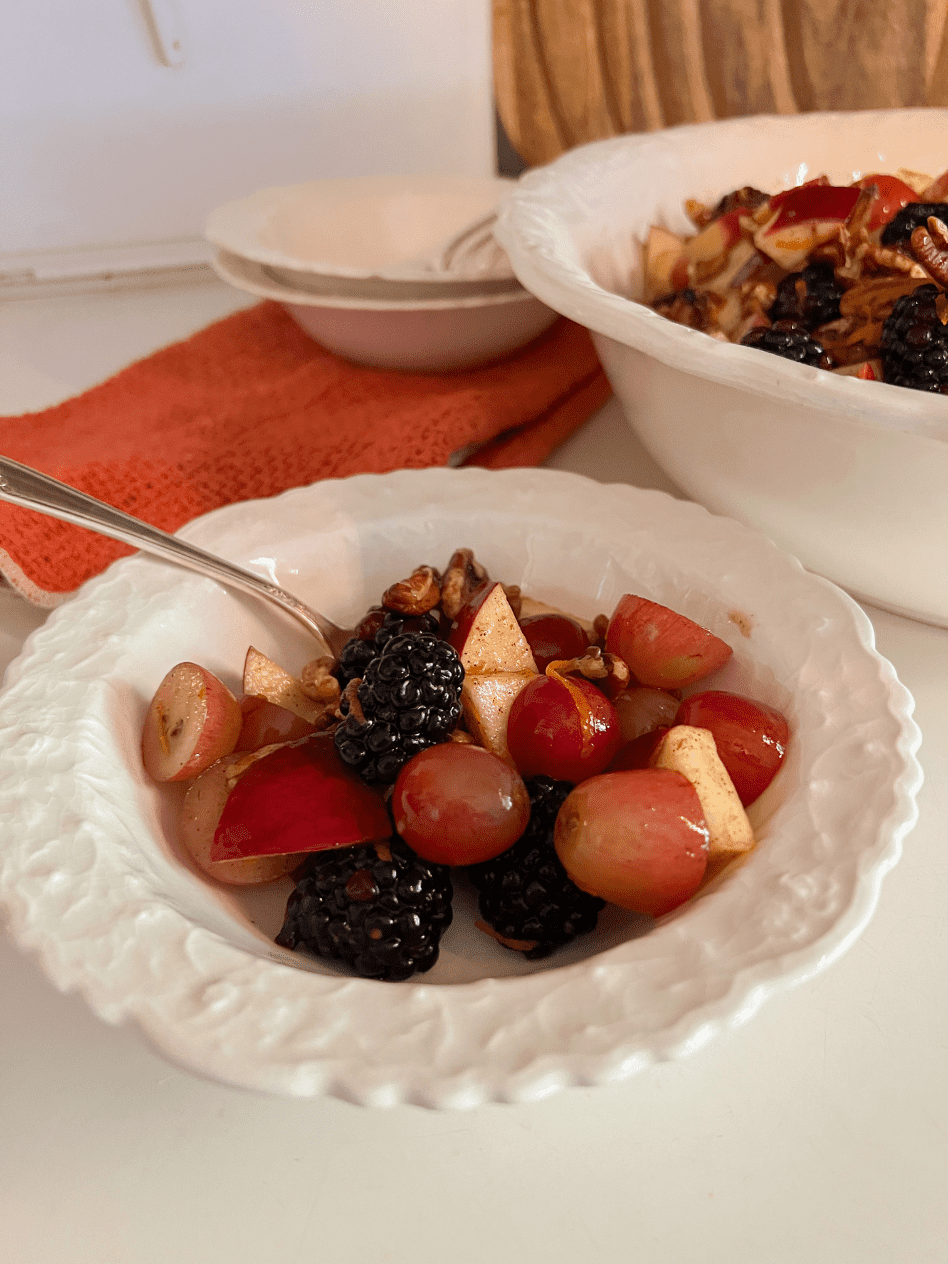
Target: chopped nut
930 248
351 696
610 671
319 683
462 578
518 945
417 594
601 627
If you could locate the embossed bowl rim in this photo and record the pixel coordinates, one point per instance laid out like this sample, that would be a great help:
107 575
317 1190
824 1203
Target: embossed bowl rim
90 883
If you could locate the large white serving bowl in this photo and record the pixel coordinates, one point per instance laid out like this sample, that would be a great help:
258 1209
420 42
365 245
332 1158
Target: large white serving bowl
850 476
93 880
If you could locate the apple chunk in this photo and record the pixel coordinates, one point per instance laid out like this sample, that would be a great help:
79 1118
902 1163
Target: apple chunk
486 701
488 637
263 678
663 649
298 798
192 721
200 814
692 752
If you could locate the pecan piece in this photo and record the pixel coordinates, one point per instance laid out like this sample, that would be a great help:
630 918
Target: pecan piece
417 594
350 696
461 580
319 683
930 248
608 670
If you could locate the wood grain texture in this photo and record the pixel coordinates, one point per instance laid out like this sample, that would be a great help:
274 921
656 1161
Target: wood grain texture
569 71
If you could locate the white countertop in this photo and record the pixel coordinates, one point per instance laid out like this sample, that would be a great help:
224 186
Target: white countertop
817 1133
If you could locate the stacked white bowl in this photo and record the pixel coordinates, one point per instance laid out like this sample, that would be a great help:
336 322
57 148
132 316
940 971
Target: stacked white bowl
399 272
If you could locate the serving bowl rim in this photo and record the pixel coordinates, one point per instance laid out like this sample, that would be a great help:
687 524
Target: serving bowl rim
534 231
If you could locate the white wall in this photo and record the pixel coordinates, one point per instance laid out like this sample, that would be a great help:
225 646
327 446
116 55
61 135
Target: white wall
101 144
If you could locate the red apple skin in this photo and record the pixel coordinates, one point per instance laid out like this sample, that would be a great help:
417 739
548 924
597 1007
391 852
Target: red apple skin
265 723
663 649
192 721
751 738
300 798
200 813
566 729
636 839
891 195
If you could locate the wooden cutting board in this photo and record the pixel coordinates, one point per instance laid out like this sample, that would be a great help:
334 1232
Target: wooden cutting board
570 71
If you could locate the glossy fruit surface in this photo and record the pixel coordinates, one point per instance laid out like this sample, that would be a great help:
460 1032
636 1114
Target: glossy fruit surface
299 798
751 738
562 727
192 721
638 753
459 805
266 723
662 648
891 195
637 839
200 814
642 710
554 636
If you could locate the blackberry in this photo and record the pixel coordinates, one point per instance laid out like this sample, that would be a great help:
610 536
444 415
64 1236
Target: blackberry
375 906
915 215
525 893
809 298
373 634
914 343
410 700
793 343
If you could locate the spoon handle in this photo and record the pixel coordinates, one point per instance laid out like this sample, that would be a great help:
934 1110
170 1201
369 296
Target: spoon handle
22 485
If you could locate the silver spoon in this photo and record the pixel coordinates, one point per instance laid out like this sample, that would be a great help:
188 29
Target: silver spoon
22 485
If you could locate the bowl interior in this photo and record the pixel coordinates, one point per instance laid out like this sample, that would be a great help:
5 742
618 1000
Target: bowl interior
358 228
362 565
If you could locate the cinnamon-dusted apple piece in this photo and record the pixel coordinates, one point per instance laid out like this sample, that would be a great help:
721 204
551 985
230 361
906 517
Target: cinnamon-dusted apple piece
692 752
263 678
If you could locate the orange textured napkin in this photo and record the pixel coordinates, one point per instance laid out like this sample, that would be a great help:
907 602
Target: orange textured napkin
251 406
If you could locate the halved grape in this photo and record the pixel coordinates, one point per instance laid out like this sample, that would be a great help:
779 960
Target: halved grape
562 727
459 804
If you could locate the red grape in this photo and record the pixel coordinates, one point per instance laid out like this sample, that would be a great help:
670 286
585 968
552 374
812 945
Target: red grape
458 805
661 647
643 710
751 737
638 839
554 637
562 727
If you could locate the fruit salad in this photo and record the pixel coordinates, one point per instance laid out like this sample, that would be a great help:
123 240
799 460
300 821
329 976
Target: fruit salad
467 729
849 278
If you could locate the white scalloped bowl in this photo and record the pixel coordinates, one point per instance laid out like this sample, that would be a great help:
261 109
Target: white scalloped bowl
362 228
849 476
93 881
